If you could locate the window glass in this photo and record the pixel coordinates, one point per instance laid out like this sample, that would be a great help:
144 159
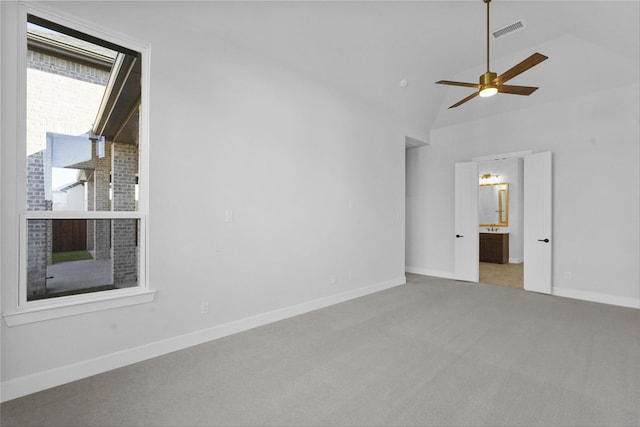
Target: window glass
83 101
64 257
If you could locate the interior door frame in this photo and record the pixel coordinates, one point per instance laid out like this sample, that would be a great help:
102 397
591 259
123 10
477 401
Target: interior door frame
518 154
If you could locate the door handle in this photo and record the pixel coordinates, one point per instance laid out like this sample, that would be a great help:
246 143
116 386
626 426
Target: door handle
545 240
458 236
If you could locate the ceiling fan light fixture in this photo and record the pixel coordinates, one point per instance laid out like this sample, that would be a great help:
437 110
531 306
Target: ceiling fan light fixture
488 91
487 86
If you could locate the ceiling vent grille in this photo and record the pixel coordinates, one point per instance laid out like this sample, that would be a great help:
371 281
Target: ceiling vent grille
516 26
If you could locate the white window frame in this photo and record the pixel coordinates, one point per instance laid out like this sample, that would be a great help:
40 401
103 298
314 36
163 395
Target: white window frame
40 310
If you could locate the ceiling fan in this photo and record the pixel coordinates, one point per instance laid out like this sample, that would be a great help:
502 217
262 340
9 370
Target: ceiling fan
491 83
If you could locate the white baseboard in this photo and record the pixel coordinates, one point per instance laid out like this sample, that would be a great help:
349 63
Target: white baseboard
596 297
28 384
428 272
516 260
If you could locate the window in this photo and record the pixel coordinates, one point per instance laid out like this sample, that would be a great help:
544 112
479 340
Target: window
83 220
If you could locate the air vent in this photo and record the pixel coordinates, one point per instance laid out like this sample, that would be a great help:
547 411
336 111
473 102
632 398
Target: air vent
516 26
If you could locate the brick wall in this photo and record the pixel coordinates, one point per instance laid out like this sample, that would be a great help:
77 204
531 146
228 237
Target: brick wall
63 67
101 202
58 104
35 182
124 250
124 166
37 230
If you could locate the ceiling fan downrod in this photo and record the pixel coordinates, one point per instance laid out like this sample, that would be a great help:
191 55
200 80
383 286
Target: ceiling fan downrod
487 84
487 2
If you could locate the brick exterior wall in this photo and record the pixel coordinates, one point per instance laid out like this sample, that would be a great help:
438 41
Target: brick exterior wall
60 104
124 166
37 230
101 202
124 249
63 67
35 182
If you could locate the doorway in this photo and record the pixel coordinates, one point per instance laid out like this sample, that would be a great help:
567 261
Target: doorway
534 216
500 217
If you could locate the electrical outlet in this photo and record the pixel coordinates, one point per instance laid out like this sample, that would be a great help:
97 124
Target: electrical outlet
204 307
332 280
567 275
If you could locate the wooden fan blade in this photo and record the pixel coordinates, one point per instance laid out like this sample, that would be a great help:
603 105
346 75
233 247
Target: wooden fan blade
449 82
520 68
468 98
517 90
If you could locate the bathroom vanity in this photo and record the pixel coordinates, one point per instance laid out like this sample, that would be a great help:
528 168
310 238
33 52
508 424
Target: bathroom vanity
494 247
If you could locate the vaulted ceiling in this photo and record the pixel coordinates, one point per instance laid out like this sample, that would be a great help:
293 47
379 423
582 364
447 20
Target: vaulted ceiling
368 48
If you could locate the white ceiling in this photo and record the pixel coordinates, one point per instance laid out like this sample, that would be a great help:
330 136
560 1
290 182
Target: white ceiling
367 48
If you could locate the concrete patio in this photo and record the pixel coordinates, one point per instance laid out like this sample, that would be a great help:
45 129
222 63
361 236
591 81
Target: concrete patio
83 274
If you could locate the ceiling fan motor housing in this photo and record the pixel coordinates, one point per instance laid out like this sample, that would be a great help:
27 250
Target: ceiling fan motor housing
487 79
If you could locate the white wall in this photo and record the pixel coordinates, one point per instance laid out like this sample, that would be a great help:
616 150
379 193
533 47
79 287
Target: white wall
594 140
315 179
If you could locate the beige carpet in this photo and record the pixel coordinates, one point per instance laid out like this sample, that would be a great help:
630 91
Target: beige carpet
434 352
510 275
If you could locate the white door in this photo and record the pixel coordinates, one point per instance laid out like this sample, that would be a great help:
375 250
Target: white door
538 241
466 222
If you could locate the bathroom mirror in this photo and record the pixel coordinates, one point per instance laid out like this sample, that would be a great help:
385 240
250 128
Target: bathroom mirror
493 204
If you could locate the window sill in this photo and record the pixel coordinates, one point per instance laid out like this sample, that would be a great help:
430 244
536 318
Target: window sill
38 311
